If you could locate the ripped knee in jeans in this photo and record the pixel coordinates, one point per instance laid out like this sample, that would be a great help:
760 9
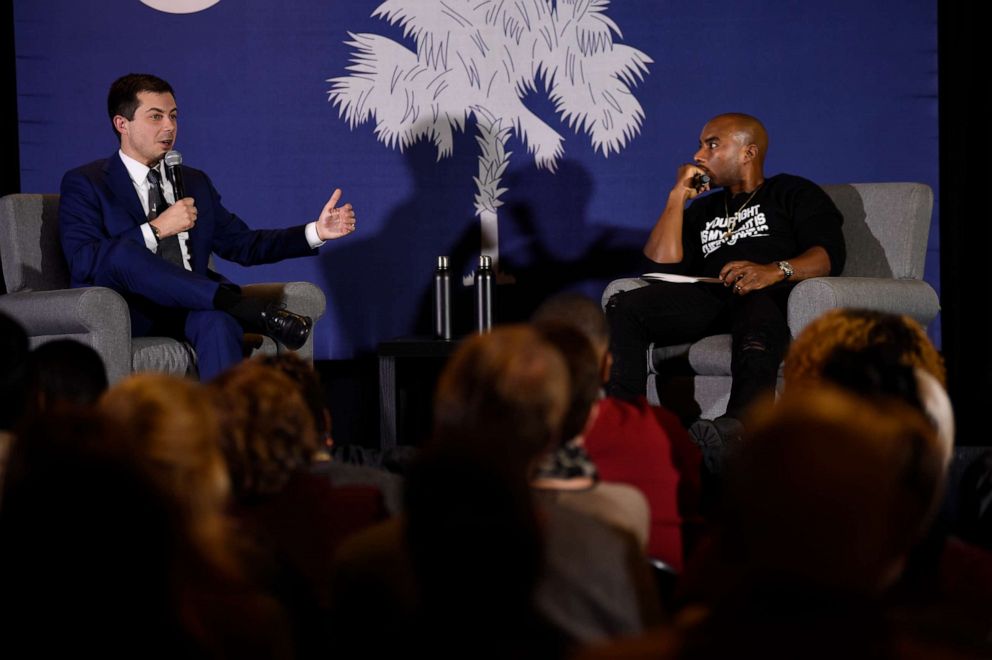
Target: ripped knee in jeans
754 345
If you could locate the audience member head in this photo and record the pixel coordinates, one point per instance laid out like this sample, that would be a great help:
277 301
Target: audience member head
874 354
66 372
89 540
569 460
832 490
307 380
476 547
174 432
586 316
501 399
899 336
13 371
472 531
874 372
583 373
267 428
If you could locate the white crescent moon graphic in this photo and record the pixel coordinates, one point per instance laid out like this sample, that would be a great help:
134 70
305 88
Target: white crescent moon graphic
180 6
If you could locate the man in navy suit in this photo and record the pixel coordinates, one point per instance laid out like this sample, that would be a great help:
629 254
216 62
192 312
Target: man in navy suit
122 227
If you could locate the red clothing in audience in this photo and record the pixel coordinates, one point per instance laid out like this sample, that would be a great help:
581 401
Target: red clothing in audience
646 446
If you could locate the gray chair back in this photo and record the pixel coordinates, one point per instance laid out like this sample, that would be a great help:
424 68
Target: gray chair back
30 247
886 226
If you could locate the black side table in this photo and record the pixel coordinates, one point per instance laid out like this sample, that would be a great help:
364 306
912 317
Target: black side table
421 353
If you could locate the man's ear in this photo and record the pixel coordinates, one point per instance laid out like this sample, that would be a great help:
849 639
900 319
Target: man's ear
750 152
120 123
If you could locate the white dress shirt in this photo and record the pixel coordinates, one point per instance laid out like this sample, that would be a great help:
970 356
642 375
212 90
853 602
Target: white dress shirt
139 179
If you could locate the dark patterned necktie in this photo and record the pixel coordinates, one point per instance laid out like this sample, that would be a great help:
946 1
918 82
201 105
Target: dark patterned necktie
168 247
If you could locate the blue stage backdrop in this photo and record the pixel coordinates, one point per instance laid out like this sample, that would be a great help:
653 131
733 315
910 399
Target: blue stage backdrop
546 130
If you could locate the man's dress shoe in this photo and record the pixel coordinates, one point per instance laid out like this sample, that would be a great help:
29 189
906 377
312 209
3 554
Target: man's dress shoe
286 327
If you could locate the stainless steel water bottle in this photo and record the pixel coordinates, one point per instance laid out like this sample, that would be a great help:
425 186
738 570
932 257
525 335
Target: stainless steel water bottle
484 294
442 299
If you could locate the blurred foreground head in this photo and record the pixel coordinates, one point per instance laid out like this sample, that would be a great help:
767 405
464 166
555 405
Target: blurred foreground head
832 490
502 399
586 316
498 408
583 371
173 431
874 354
268 429
859 330
66 372
307 380
88 539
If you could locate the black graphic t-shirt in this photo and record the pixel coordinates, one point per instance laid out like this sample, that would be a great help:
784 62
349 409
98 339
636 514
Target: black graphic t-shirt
786 216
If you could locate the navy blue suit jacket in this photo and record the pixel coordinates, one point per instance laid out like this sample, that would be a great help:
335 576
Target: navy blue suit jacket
99 206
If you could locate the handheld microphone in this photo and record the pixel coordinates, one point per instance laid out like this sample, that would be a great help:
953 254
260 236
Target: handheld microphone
698 180
173 160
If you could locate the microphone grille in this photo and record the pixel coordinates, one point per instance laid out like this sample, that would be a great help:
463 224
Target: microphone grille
173 158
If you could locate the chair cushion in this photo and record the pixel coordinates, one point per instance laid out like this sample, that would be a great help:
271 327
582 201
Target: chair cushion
162 354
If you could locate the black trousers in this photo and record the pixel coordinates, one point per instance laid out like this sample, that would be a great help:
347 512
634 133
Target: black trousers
666 313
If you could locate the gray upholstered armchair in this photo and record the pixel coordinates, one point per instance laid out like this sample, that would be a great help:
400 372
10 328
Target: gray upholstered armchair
886 226
37 281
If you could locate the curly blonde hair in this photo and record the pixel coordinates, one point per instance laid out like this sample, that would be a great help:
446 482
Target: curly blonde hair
859 329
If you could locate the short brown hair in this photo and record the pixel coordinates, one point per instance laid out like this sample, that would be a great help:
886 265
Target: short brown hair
501 399
583 373
122 99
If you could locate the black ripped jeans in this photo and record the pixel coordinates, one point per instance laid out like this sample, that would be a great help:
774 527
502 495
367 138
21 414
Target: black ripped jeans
666 313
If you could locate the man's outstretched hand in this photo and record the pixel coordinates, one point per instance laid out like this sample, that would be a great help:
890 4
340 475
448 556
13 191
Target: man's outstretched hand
335 221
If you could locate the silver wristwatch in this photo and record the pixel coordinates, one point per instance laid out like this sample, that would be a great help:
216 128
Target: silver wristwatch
786 268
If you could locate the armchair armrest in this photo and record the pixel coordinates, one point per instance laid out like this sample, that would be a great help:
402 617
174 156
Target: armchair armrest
96 315
813 297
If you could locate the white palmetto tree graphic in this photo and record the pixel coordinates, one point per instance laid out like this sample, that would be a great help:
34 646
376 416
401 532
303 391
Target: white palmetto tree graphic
479 58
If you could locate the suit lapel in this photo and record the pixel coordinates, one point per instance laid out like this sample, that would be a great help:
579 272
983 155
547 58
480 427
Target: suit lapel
119 182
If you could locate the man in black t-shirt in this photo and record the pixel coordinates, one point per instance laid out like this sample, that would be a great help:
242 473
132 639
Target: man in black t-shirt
758 236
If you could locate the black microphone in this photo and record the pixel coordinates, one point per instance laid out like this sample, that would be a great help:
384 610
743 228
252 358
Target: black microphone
698 180
173 160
